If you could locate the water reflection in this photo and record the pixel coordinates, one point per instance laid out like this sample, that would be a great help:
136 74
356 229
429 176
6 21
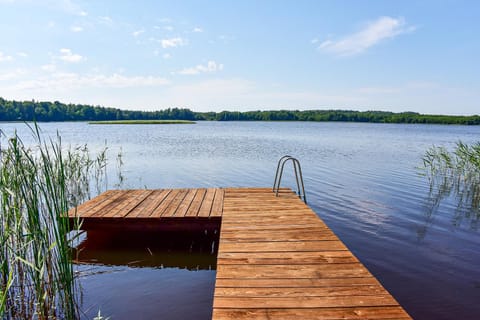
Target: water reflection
146 275
461 203
187 250
452 181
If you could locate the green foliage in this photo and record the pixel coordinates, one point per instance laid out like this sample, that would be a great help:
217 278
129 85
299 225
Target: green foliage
338 115
56 111
457 173
38 185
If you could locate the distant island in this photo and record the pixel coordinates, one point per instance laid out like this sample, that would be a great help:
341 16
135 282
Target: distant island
56 111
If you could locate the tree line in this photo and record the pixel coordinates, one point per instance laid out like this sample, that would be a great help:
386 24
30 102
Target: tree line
11 110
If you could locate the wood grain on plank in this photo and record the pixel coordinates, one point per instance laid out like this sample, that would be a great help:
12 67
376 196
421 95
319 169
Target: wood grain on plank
288 271
287 257
196 203
281 246
149 204
207 203
135 198
354 313
158 211
174 204
107 205
305 302
218 203
88 205
300 291
187 201
293 283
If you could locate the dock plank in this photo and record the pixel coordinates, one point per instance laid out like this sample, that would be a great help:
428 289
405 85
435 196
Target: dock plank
207 203
300 291
174 204
286 271
196 203
187 201
89 205
151 202
218 203
157 213
294 283
356 313
107 205
280 246
287 257
123 209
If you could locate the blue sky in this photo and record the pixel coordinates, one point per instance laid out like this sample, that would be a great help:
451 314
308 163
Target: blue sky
418 56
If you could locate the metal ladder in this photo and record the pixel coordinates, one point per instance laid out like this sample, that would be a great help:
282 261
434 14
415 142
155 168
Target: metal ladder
298 176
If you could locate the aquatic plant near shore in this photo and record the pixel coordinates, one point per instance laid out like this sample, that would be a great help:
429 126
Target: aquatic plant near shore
457 173
38 184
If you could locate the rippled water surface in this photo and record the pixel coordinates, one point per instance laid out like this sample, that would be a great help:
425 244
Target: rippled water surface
361 179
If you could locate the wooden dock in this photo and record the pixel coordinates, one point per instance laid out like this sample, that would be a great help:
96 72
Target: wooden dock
162 210
276 258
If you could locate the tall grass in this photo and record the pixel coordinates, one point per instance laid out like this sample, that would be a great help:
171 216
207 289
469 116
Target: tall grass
457 173
38 185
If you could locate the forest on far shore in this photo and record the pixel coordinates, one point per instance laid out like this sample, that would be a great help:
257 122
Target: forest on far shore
56 111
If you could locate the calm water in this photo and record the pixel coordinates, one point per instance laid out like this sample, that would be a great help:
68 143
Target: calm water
361 179
142 275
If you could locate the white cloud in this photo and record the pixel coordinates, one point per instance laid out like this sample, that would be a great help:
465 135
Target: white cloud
67 6
4 57
9 76
22 54
313 41
137 33
197 29
168 28
106 20
76 29
173 42
49 67
68 56
65 81
211 67
374 32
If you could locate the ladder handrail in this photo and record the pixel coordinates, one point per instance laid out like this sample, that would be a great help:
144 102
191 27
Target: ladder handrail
298 176
282 159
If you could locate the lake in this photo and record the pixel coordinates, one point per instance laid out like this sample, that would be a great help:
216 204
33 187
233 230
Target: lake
362 179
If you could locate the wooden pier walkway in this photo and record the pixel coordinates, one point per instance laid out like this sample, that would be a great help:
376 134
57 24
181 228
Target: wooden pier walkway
276 258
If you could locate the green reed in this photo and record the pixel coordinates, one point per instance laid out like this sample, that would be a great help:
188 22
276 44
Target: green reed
38 185
455 172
